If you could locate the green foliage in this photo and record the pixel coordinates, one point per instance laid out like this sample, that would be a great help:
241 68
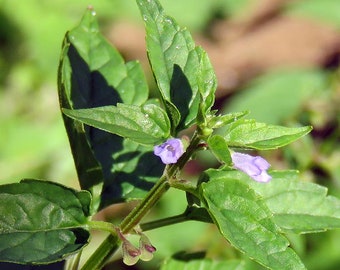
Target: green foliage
251 134
42 222
182 71
147 124
219 148
312 211
93 73
112 127
308 210
225 119
245 220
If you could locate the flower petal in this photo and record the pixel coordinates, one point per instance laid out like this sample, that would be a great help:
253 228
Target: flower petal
131 254
256 167
146 248
170 151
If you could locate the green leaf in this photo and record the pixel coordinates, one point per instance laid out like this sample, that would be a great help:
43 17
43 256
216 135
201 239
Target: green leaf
134 171
175 264
92 74
183 72
245 221
147 124
89 170
42 222
219 148
251 134
220 121
99 66
299 207
207 84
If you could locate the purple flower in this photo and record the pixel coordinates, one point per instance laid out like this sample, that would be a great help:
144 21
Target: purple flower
170 151
255 167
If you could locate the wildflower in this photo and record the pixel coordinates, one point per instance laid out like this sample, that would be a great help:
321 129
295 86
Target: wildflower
146 248
256 167
170 151
131 254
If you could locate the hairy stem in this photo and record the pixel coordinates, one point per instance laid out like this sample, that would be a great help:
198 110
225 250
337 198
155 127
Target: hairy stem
145 205
111 243
158 189
102 253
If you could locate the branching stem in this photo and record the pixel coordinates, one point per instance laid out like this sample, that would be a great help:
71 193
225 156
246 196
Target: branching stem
111 243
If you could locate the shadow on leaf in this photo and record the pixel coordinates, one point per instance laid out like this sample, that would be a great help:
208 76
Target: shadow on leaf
180 93
126 170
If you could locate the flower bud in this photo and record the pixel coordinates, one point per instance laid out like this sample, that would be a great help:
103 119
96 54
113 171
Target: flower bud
146 248
131 254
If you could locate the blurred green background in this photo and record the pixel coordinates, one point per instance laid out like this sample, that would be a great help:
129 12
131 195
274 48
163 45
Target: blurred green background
277 58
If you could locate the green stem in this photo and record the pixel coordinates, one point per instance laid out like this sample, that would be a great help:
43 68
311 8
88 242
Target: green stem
163 222
101 225
75 261
184 186
102 253
110 244
158 189
145 205
191 213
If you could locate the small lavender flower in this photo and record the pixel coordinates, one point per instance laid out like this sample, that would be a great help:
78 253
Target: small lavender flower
255 167
170 151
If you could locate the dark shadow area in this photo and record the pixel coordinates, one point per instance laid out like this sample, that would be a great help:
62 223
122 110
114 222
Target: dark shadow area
10 38
148 166
185 256
90 89
180 92
127 156
102 149
119 265
13 266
